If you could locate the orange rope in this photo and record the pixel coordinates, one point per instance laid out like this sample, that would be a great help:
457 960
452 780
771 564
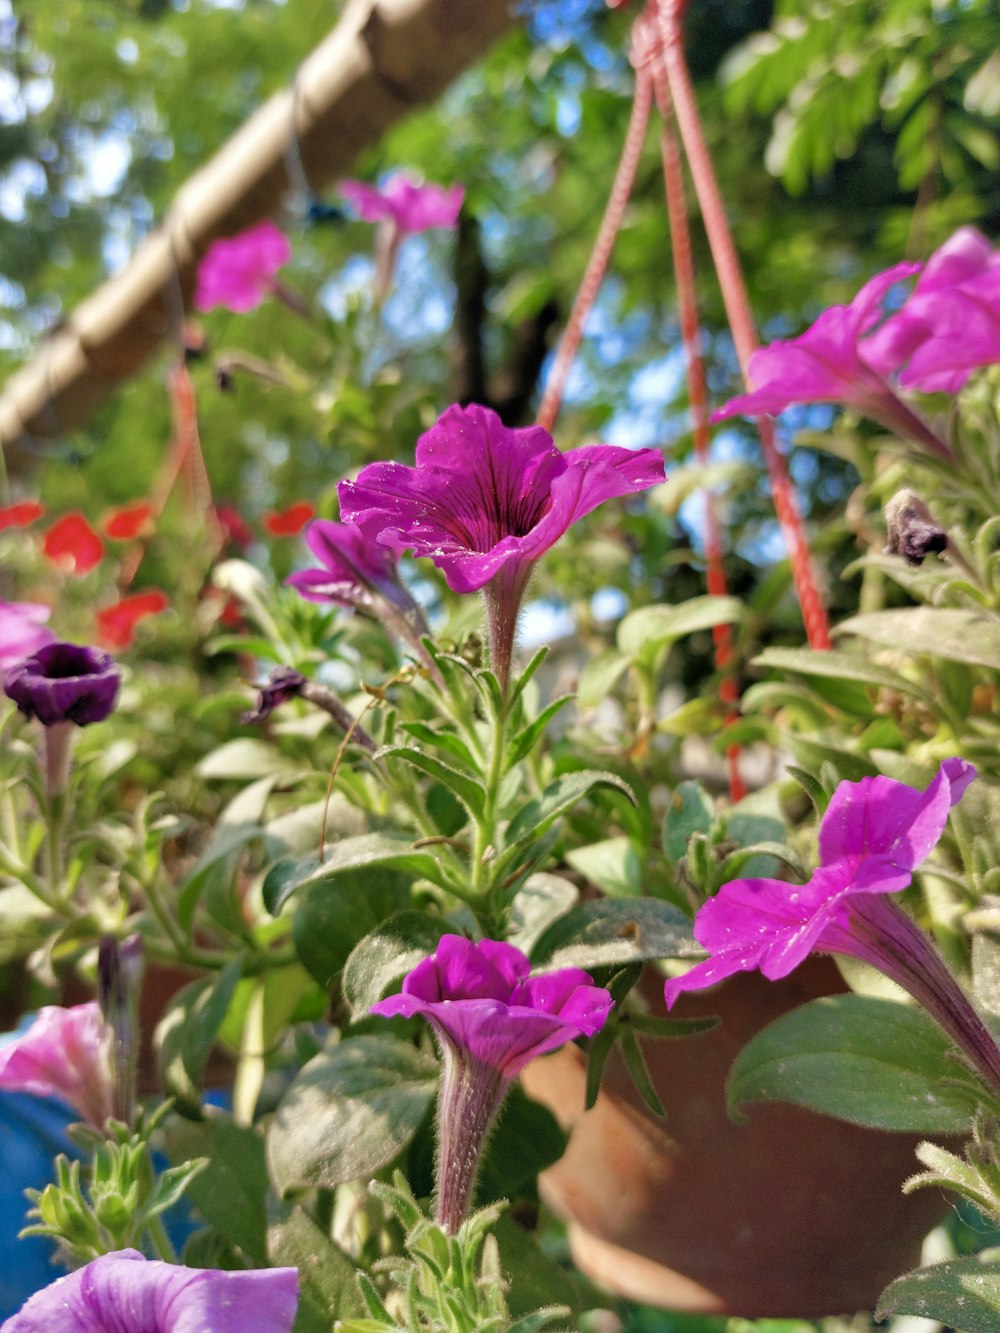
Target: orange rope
666 14
597 264
680 238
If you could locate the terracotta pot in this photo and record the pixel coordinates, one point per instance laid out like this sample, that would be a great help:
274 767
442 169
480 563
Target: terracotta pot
791 1214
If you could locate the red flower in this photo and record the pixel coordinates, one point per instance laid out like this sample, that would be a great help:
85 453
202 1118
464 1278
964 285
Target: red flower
116 624
21 514
233 526
73 545
289 522
128 521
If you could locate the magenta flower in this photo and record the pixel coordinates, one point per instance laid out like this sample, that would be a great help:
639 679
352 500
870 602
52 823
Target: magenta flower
490 1018
408 205
238 271
827 364
22 630
875 833
64 682
123 1292
64 1054
485 501
349 564
948 326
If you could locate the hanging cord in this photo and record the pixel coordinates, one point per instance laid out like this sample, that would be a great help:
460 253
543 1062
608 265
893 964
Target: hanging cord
184 456
684 277
666 13
597 264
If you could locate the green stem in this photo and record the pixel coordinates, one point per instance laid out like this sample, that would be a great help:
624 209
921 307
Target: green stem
486 826
160 1240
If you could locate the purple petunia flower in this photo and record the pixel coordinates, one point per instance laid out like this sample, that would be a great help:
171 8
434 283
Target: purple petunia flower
64 682
349 563
875 833
64 1054
491 1018
22 630
123 1292
939 293
484 501
238 271
828 364
410 206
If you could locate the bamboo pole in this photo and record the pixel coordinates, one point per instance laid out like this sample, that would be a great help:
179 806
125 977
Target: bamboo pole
383 59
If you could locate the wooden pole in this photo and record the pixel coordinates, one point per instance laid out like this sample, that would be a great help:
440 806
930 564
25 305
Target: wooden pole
383 59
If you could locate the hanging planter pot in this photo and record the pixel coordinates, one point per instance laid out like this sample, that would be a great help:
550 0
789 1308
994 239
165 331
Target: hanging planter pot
790 1214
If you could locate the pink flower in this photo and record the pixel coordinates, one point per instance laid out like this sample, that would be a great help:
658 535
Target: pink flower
828 364
948 326
63 1054
875 833
124 1292
238 271
349 562
490 1018
412 207
484 502
22 630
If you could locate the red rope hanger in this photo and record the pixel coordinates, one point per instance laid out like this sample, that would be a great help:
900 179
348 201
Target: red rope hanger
661 71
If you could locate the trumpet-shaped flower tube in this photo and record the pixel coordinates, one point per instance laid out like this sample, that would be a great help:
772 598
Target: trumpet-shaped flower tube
64 1054
490 1018
123 1292
485 501
875 833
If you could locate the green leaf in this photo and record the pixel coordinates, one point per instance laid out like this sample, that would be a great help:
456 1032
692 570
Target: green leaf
600 676
839 666
244 759
966 636
381 960
535 1278
361 852
350 1111
526 1140
645 633
963 1294
612 865
187 1031
870 1061
328 1287
442 740
560 796
230 1192
468 790
689 811
331 918
526 739
539 901
608 932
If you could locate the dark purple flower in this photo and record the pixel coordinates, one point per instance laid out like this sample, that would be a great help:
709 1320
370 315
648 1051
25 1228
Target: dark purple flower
22 630
64 1053
238 271
123 1292
875 833
828 364
484 501
490 1018
949 325
64 682
410 206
